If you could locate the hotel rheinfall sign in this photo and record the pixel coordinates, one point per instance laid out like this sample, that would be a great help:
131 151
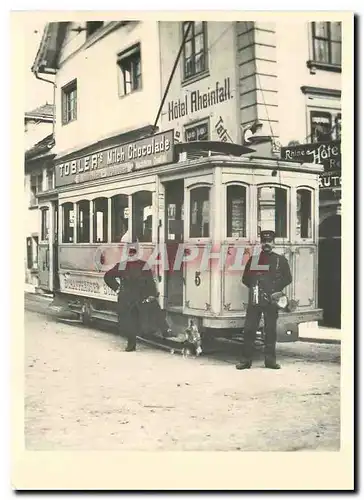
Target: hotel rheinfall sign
327 154
137 155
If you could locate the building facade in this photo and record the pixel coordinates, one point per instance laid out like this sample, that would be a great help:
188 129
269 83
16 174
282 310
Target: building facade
38 179
286 78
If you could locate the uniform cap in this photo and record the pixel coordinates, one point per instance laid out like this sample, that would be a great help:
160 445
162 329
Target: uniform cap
267 235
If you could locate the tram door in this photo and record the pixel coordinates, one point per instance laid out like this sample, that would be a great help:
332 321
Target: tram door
174 195
43 249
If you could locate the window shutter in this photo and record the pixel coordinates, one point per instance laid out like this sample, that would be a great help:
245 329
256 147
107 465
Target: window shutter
64 107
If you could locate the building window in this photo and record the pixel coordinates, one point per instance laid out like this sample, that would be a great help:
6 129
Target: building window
92 26
29 253
36 185
325 126
44 224
130 70
272 210
195 49
304 214
142 216
198 132
119 218
68 223
236 212
49 178
200 212
83 221
327 43
100 220
69 102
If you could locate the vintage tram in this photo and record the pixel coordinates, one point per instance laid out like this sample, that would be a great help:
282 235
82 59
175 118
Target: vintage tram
209 198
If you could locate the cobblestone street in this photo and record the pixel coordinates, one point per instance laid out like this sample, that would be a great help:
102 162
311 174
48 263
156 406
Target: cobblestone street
84 393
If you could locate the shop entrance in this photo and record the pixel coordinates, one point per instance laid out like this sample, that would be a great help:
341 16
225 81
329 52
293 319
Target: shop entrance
329 268
174 195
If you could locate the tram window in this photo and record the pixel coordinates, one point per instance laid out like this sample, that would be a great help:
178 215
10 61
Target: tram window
68 223
142 216
45 224
83 222
236 212
119 218
272 210
100 220
200 212
304 215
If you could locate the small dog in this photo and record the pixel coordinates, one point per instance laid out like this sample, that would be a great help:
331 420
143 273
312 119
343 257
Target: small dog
192 343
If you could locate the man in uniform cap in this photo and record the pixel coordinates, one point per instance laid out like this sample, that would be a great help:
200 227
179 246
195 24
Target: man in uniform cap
262 284
134 284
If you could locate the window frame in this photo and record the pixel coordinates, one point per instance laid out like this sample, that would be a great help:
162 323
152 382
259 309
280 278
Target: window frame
44 224
66 91
78 206
129 54
334 111
94 220
134 224
247 205
197 123
73 208
187 216
288 189
191 38
312 208
113 215
329 41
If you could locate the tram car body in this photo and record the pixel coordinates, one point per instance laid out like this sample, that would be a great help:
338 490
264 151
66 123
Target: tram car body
211 200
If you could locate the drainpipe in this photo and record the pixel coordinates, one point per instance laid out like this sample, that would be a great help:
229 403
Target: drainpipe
54 98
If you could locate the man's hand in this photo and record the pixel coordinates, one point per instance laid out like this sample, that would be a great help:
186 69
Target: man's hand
151 298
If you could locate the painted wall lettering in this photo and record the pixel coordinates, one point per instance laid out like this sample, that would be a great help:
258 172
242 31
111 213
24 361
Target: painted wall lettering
196 100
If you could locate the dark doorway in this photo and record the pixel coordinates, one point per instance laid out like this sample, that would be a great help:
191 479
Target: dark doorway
174 216
329 269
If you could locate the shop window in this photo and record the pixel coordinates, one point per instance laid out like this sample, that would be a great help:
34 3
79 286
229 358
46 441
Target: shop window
195 49
326 39
130 70
198 132
272 210
68 223
44 224
100 220
338 127
92 27
236 212
304 213
142 202
200 212
69 102
119 218
83 221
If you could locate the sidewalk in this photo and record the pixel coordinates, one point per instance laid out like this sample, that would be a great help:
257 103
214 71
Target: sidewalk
312 332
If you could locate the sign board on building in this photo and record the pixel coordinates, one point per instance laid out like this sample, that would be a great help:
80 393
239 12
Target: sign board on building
327 154
143 153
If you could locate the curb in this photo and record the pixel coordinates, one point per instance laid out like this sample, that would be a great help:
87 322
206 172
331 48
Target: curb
319 340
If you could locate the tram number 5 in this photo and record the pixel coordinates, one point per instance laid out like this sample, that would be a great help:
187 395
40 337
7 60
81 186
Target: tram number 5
197 278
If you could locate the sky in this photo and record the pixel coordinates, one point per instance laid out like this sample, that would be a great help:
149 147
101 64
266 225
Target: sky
37 92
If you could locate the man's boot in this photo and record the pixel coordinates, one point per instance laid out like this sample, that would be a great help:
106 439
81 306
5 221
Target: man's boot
270 362
244 364
130 348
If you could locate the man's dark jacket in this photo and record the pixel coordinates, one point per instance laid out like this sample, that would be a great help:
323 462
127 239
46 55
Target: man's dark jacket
136 284
272 281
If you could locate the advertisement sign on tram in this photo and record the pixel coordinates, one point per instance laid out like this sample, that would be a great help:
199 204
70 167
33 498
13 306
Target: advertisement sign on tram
137 155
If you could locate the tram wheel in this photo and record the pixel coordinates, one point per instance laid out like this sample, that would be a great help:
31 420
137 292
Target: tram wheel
86 314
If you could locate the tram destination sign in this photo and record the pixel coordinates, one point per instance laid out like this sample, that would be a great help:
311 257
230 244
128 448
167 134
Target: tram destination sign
137 155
